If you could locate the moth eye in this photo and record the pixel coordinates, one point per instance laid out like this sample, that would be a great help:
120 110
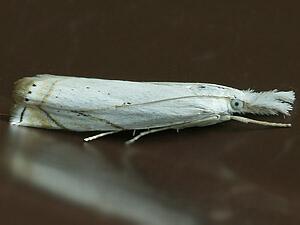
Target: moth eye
236 104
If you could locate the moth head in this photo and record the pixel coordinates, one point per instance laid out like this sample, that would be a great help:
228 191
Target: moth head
263 103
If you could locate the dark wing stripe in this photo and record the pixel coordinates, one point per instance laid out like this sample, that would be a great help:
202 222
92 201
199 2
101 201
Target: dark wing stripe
22 115
52 119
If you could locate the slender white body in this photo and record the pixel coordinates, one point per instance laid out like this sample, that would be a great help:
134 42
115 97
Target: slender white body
85 104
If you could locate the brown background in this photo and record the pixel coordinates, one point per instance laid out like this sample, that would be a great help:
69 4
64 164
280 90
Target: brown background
232 173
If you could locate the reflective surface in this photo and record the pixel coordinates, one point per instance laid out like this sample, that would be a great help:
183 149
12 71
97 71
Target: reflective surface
231 173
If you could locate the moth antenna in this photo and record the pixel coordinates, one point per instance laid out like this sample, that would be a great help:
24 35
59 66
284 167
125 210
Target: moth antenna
259 122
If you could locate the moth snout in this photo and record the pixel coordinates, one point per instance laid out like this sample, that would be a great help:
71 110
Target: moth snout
270 102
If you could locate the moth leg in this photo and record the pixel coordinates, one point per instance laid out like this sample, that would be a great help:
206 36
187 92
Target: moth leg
100 135
264 123
174 126
145 133
133 133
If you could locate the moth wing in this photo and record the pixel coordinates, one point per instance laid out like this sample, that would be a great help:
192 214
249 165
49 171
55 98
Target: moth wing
84 104
52 118
155 115
87 93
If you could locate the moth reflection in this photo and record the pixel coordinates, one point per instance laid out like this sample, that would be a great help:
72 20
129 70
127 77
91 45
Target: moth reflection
84 176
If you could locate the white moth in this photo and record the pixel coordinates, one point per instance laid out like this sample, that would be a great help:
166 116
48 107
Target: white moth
111 106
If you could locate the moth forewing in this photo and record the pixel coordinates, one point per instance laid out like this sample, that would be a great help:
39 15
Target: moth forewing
83 104
110 106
